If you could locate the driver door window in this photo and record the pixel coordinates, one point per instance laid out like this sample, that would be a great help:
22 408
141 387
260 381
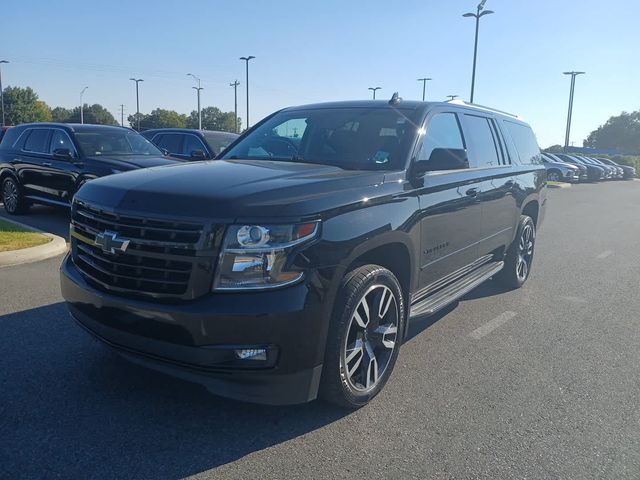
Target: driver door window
192 143
60 140
443 131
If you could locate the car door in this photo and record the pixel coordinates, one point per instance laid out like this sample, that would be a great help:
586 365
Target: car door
488 157
63 173
171 142
450 213
33 160
190 144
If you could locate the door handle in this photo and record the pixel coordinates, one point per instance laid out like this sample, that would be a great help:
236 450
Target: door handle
472 192
46 164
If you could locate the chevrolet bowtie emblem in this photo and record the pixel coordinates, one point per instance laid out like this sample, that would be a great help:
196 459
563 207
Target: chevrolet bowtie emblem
111 243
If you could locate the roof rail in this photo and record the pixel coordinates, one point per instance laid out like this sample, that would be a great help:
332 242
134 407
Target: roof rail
482 107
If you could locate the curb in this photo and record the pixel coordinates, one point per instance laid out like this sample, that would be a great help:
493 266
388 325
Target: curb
560 185
55 247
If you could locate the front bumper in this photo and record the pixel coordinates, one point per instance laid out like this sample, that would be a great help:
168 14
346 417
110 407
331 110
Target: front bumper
195 340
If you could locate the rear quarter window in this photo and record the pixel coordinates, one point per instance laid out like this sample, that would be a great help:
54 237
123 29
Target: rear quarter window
525 142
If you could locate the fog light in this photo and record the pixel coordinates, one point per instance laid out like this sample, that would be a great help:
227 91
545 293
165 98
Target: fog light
252 354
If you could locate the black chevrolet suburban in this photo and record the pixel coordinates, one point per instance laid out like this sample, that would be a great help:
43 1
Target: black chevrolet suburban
291 267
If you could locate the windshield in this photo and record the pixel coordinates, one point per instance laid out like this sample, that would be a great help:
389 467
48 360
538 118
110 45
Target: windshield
219 141
350 138
114 142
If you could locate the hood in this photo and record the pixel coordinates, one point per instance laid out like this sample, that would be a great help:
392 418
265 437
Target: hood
227 189
563 165
130 162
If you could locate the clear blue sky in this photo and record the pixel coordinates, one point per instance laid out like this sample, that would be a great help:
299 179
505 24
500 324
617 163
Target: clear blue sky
330 50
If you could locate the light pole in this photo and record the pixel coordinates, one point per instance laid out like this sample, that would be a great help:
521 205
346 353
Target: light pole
198 88
137 80
479 13
246 59
452 97
570 112
424 85
122 114
2 91
82 106
374 89
235 101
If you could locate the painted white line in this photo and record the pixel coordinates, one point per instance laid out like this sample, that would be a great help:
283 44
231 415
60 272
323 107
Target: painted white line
491 325
604 254
569 298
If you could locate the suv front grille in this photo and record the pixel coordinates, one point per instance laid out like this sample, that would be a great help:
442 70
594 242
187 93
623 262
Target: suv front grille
162 259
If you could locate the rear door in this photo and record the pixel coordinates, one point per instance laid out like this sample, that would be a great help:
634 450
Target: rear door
450 212
489 158
33 160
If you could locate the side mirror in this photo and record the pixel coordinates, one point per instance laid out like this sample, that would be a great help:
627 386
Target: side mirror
197 155
443 159
62 154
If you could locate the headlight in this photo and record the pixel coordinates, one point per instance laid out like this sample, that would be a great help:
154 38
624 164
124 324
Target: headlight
256 256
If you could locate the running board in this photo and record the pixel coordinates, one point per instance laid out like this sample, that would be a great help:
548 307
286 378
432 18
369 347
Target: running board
450 293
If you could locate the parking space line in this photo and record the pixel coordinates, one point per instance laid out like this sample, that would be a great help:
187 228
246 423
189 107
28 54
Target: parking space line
491 325
570 298
604 254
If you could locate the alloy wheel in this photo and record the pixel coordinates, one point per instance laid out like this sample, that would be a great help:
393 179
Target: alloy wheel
10 195
525 252
371 338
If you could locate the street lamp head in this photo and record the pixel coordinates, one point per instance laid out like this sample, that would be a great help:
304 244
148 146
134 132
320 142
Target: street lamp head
573 73
4 61
246 59
469 15
487 12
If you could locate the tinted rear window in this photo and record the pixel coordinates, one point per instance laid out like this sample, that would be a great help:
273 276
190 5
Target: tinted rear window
525 142
37 141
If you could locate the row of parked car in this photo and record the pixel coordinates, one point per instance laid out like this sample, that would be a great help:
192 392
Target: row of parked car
49 162
578 168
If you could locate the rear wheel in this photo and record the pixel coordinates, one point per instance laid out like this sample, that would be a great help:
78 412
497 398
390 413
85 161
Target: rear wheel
364 337
517 262
12 198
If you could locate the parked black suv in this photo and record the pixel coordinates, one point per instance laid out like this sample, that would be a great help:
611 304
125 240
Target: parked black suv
187 144
292 266
48 162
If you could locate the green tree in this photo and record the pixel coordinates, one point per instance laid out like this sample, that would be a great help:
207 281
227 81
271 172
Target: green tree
61 114
21 105
159 118
554 149
214 119
94 114
621 132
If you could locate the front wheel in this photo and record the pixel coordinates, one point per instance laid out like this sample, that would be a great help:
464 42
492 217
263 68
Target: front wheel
517 262
553 176
364 337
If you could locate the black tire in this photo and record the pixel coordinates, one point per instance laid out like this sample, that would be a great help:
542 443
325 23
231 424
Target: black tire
12 198
515 274
554 176
346 382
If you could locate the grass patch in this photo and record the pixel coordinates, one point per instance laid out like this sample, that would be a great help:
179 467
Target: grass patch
14 237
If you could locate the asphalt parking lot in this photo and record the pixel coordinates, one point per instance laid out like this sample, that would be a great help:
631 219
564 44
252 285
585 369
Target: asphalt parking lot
542 382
